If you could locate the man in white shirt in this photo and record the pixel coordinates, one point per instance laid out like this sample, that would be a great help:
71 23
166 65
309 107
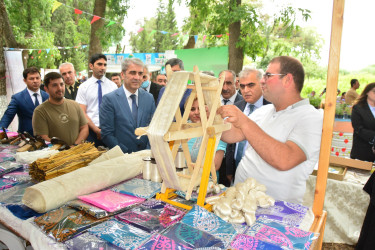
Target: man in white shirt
90 95
229 93
284 137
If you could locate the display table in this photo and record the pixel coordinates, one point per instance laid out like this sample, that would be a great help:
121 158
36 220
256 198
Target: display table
346 204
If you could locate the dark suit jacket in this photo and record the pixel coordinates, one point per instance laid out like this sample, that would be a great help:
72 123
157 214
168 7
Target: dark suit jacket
238 97
363 123
22 105
154 90
117 123
72 95
230 159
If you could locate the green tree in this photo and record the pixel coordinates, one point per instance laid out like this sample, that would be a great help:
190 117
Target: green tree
157 32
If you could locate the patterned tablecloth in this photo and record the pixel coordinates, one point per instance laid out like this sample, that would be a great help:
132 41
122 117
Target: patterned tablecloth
346 204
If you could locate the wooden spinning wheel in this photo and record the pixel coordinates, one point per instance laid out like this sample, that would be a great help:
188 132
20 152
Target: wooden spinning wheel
168 127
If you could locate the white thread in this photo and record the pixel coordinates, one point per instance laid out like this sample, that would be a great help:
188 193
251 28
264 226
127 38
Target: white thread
146 168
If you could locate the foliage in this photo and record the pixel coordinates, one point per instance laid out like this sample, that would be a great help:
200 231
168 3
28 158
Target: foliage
35 27
152 38
315 101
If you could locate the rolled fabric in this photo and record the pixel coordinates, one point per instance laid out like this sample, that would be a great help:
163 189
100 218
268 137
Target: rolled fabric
29 157
53 193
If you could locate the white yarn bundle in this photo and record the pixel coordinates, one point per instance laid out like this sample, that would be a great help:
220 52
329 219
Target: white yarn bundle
240 202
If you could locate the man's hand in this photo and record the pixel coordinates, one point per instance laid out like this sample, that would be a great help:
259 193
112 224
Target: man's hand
233 115
98 134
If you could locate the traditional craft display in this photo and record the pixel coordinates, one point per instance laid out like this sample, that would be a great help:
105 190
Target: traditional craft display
239 203
192 237
160 242
64 162
63 223
89 209
53 193
120 234
246 242
208 222
29 157
87 241
152 216
138 187
278 234
111 201
6 183
14 194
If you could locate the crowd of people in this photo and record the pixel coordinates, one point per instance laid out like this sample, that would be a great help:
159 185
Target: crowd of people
275 134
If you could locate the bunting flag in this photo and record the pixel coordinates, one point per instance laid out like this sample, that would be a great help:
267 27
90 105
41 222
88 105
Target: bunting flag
140 30
219 35
40 51
77 11
110 23
195 38
204 38
152 32
163 32
175 34
48 50
56 4
94 19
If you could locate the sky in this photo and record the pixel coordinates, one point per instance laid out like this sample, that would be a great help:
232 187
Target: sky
357 44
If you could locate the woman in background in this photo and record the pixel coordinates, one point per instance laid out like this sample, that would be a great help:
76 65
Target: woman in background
195 143
363 122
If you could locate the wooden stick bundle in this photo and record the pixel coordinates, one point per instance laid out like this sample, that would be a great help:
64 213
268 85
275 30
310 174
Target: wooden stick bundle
64 162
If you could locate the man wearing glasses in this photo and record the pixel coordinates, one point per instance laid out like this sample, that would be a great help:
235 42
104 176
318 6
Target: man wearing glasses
229 93
284 137
249 82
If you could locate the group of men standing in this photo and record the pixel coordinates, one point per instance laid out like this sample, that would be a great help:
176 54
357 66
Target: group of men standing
277 144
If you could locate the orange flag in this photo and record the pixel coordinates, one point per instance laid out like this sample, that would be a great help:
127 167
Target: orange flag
94 19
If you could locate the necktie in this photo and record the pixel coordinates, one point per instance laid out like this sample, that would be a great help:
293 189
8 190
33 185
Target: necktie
134 107
225 101
242 144
100 96
71 90
36 99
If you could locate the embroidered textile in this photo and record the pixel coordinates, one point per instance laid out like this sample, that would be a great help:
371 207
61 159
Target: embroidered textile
6 183
63 223
138 187
202 219
289 214
284 236
160 242
87 241
192 237
246 242
152 216
120 234
14 194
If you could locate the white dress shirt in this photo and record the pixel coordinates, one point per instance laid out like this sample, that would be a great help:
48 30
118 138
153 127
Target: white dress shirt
128 94
88 95
39 96
231 99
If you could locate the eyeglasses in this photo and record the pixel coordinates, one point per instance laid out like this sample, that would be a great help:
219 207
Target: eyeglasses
267 75
249 85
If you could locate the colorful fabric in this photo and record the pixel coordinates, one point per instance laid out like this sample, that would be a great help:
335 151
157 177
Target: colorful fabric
161 242
111 201
192 237
284 236
289 214
138 187
246 242
18 176
14 194
22 211
8 167
6 157
5 183
200 218
194 194
152 216
88 241
63 223
120 234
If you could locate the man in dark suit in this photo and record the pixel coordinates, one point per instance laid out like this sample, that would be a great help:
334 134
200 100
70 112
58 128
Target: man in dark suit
71 84
229 93
127 108
23 103
249 83
149 86
116 78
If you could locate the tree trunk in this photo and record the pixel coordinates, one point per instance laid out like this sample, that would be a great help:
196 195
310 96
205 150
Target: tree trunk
235 53
191 43
99 10
6 38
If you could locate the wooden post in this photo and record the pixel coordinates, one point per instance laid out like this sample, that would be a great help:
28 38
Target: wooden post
330 106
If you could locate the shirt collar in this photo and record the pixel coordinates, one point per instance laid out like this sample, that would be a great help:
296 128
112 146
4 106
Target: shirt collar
128 93
32 92
232 98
